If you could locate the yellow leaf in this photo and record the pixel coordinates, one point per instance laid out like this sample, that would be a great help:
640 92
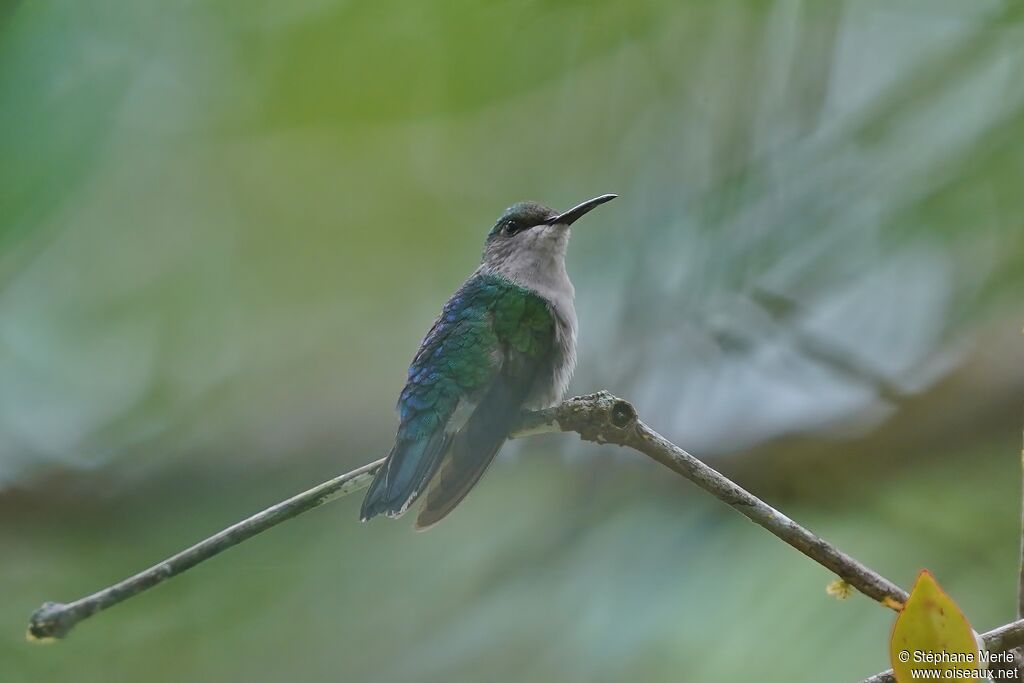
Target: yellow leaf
932 634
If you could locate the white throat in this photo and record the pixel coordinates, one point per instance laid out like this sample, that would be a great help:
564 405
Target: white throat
536 260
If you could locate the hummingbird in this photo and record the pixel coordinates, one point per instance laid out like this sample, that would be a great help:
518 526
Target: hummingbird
504 342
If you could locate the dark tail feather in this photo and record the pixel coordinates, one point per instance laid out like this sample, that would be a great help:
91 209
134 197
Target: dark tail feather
403 477
456 477
471 452
375 501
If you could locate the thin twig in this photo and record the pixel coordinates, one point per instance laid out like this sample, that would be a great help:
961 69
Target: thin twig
998 640
54 619
600 418
865 580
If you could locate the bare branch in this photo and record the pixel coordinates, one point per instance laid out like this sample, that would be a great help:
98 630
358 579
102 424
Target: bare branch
1000 639
600 418
54 619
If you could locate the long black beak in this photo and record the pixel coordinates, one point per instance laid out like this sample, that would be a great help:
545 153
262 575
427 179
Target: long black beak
575 213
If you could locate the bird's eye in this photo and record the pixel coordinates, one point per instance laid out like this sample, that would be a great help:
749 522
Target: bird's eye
510 227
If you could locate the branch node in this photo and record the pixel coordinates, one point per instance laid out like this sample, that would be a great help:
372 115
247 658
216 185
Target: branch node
623 414
49 623
893 603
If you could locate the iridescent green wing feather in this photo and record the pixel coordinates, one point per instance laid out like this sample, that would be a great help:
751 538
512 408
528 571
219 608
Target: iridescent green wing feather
524 327
464 390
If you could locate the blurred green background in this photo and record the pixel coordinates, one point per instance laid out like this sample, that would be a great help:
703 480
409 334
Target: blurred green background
224 227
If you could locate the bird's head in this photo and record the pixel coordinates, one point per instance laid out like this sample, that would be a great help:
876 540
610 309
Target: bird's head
530 237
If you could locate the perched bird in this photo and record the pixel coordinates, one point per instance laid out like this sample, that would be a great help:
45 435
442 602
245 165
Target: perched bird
504 342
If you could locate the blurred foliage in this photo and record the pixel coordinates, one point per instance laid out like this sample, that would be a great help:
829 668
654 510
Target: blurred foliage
224 228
